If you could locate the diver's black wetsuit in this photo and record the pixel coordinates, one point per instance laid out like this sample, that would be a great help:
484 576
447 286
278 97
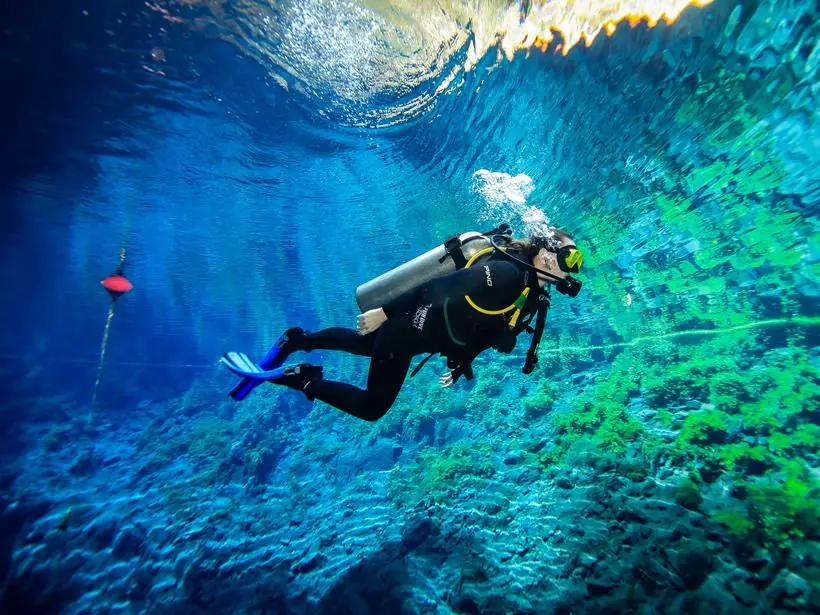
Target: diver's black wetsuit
432 318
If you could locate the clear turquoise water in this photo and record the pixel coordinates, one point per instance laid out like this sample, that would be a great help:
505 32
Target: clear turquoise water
683 158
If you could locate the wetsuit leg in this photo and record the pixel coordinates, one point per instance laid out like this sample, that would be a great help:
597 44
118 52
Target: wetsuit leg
390 361
339 338
384 380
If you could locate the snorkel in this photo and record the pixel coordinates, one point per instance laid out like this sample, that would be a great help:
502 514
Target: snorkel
566 286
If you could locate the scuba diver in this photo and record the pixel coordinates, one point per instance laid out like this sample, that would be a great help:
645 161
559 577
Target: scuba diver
476 291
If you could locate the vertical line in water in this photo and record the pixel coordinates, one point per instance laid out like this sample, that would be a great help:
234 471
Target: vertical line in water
103 346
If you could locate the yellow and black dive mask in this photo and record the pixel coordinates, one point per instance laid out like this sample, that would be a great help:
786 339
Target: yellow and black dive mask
570 258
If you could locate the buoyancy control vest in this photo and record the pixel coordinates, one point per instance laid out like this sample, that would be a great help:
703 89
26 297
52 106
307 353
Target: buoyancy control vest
452 255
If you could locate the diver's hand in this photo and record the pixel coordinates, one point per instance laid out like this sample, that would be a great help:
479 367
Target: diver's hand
446 380
370 321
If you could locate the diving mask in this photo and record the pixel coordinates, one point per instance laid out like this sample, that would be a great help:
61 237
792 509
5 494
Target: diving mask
570 259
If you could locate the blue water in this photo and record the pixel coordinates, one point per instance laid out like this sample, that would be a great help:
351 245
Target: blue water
229 194
244 207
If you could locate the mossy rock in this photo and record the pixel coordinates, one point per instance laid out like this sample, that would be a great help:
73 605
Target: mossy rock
706 427
738 523
688 495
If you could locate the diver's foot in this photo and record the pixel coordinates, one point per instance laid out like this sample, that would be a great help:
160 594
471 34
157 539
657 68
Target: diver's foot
299 377
291 340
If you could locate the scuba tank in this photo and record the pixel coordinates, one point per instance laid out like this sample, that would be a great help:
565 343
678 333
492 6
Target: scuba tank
446 258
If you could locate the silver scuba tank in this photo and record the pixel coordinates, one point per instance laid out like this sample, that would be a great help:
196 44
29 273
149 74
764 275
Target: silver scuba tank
439 261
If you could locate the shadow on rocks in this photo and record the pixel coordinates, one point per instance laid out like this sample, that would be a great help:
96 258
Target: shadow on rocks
34 590
388 581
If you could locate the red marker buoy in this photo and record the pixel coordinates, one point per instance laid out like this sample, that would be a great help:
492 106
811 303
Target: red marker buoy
117 285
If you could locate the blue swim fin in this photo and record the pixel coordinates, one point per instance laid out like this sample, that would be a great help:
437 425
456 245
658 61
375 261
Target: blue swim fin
294 376
275 358
242 365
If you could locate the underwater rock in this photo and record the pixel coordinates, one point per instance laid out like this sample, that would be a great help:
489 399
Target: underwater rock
309 564
378 457
790 591
694 565
681 531
742 590
512 459
576 530
265 464
129 542
86 463
491 508
603 584
588 560
632 515
200 582
109 461
636 534
17 513
523 476
467 606
713 597
805 554
140 583
102 530
9 529
427 431
76 560
688 495
7 478
757 561
151 466
538 445
454 430
415 535
40 591
710 471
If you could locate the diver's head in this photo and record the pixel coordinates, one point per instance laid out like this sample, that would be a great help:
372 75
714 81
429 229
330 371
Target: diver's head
557 258
553 254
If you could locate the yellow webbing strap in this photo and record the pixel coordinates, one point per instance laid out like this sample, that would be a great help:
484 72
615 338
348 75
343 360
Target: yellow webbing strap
519 304
488 312
472 303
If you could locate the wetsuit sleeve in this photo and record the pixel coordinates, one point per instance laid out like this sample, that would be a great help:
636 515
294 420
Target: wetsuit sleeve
493 286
